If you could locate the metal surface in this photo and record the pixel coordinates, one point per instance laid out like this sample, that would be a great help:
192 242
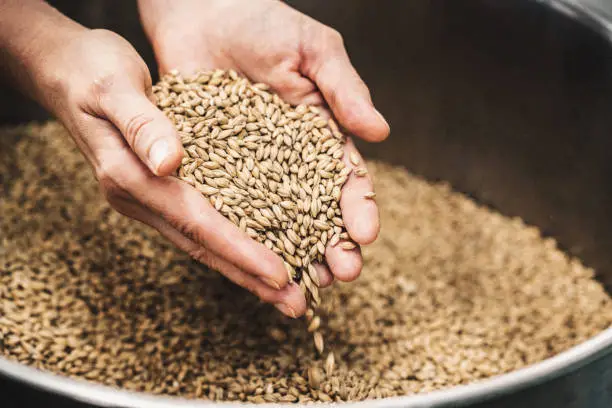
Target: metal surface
596 14
510 102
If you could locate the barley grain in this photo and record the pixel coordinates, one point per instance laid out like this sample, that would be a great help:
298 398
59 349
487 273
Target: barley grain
347 245
360 171
329 364
452 293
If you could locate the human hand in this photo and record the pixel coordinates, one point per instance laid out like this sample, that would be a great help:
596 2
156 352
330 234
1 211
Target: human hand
301 59
99 87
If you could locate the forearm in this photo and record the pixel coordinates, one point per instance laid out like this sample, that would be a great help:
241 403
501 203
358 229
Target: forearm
29 32
151 13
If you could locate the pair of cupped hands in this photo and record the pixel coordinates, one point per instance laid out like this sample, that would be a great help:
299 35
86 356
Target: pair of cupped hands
100 88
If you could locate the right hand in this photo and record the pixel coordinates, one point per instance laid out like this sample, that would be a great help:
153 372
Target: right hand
99 87
307 64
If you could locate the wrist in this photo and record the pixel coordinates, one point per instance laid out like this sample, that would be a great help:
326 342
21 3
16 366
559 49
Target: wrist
28 49
158 15
178 29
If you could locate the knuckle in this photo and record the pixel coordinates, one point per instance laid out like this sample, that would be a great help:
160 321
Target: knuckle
105 34
334 37
136 128
282 280
363 87
56 85
279 274
102 84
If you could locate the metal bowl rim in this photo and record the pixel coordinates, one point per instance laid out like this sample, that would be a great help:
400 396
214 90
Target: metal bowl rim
106 396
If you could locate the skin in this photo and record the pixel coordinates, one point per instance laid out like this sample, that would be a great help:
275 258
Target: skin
98 86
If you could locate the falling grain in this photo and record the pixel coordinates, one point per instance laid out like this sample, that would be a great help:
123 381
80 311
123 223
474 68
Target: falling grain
329 364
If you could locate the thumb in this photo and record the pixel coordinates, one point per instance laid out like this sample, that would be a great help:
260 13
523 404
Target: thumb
147 130
329 66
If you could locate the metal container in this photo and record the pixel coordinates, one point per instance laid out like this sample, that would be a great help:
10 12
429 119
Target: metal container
509 101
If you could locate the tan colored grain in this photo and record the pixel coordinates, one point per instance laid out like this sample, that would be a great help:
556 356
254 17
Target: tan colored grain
347 245
314 377
246 184
360 171
451 293
369 195
329 364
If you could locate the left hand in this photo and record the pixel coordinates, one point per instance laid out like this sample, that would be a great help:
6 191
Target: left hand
304 61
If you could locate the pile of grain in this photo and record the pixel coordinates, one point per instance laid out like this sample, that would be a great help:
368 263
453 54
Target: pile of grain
451 293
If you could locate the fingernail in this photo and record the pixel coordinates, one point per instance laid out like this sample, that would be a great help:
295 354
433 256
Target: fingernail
381 117
286 310
158 153
270 282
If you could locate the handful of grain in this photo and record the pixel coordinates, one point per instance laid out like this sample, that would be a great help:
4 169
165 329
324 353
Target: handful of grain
274 170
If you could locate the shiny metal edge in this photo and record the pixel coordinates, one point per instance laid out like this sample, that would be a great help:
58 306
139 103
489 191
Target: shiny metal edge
565 362
106 396
587 14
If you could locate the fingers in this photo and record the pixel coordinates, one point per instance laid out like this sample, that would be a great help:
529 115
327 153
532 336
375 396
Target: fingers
289 300
184 208
328 65
360 213
326 278
147 130
345 264
296 90
291 86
